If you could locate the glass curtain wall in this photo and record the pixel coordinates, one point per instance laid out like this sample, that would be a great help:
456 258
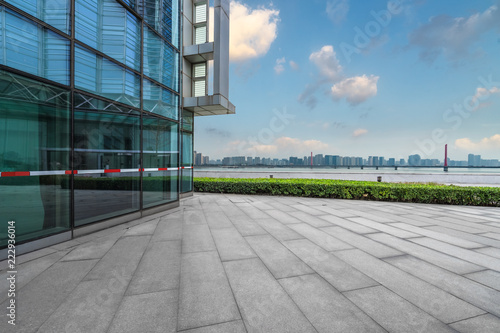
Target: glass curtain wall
88 133
187 151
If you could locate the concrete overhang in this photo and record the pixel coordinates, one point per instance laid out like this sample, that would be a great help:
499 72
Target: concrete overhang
199 52
208 105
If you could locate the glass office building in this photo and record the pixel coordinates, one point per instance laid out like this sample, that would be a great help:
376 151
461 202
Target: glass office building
92 123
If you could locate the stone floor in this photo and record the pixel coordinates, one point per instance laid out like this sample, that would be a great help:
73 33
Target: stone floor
232 263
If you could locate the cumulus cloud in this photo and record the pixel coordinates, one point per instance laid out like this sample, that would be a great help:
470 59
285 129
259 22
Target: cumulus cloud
485 144
453 36
252 31
294 65
327 62
337 10
356 89
279 67
284 146
359 132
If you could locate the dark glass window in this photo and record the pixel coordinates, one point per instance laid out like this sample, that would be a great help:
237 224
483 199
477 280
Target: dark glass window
53 12
160 101
105 78
187 120
109 28
187 161
35 138
28 47
161 61
163 16
107 137
160 151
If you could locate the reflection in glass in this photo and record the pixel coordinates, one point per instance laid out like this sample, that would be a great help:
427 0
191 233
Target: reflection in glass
100 24
106 137
34 136
159 100
105 78
160 151
53 12
187 161
28 47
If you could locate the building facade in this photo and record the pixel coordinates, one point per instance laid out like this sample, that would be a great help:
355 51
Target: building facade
96 110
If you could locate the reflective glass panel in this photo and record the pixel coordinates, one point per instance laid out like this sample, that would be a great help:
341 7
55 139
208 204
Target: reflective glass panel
35 138
110 28
160 151
53 12
30 48
105 78
159 100
106 138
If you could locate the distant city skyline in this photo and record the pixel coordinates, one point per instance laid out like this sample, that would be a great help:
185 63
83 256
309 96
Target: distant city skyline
347 77
337 160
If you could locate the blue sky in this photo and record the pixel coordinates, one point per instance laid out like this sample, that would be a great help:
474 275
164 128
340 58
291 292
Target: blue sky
358 78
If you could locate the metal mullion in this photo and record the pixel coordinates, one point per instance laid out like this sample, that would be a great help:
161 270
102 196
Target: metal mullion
72 130
93 95
32 77
141 101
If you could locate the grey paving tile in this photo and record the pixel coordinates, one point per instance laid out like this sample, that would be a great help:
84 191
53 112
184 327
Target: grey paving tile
28 271
247 226
264 305
231 245
488 278
193 217
43 295
326 308
20 259
158 270
457 224
468 255
424 221
346 224
205 297
153 312
278 230
464 235
438 235
318 237
278 259
408 220
89 308
383 227
368 215
66 245
168 230
312 220
251 211
218 220
475 293
427 297
92 250
197 238
363 243
339 274
306 208
491 235
121 259
261 205
481 324
230 327
394 313
440 259
490 251
146 228
231 210
282 217
282 207
336 212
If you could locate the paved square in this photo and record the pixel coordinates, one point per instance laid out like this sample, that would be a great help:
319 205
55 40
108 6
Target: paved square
235 263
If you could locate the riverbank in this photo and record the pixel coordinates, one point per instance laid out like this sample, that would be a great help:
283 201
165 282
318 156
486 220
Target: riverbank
460 179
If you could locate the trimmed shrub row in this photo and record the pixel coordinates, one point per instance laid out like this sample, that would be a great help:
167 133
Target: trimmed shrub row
360 190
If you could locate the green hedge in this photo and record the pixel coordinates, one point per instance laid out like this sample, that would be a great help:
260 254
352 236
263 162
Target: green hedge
340 189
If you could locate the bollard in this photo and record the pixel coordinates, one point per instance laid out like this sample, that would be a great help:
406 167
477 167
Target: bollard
271 176
379 179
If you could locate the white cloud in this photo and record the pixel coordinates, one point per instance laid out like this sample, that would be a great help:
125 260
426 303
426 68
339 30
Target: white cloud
356 89
283 146
252 31
337 10
453 36
279 68
485 144
327 62
294 65
359 132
